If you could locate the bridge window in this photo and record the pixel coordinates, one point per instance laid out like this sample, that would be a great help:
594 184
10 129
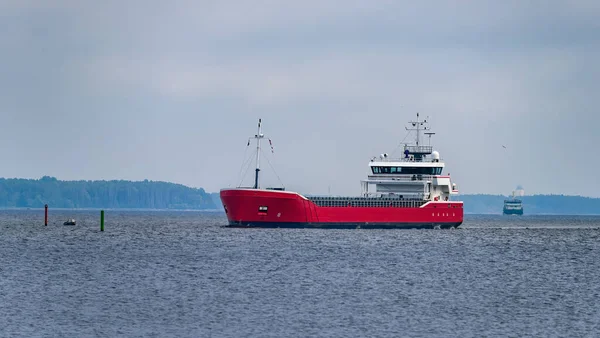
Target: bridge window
407 170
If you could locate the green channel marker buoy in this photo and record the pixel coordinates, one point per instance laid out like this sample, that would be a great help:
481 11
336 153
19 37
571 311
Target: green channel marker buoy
101 220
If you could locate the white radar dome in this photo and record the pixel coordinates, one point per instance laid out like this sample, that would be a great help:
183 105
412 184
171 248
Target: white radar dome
435 155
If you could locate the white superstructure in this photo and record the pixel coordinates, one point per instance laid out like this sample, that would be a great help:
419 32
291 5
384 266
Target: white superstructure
418 174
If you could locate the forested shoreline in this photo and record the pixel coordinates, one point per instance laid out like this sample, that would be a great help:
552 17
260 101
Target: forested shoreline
35 193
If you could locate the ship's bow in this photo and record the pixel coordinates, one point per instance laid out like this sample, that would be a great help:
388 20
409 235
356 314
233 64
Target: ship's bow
258 207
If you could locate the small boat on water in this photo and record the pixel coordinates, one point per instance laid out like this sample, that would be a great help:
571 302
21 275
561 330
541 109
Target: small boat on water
70 222
514 205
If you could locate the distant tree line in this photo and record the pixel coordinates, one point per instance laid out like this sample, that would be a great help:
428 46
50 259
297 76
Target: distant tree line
534 204
216 197
29 193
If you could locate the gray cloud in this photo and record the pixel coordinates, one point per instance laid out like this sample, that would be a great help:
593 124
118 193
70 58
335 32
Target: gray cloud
171 91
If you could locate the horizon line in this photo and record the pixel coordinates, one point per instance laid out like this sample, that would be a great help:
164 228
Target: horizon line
216 192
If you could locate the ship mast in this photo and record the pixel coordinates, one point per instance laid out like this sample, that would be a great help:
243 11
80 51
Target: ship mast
418 151
418 125
258 137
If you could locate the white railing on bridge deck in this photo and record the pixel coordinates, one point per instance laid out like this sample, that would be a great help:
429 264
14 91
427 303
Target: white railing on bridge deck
405 159
419 149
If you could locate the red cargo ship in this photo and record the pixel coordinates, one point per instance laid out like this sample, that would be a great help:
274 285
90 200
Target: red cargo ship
408 192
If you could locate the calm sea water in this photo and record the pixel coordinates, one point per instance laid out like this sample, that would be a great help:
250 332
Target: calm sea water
171 274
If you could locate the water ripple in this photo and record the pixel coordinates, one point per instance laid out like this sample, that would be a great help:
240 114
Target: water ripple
157 274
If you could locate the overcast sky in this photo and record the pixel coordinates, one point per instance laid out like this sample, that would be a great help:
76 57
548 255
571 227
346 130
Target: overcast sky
171 90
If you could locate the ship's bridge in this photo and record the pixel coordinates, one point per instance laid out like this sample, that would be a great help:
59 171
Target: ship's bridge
410 176
414 162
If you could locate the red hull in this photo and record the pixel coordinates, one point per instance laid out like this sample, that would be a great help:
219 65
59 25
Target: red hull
246 207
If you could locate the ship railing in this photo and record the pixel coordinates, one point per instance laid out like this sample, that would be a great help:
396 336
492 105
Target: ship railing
406 159
419 149
398 195
366 202
378 195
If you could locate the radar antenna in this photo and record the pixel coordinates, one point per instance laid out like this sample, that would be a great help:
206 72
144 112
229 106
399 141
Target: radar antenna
429 134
